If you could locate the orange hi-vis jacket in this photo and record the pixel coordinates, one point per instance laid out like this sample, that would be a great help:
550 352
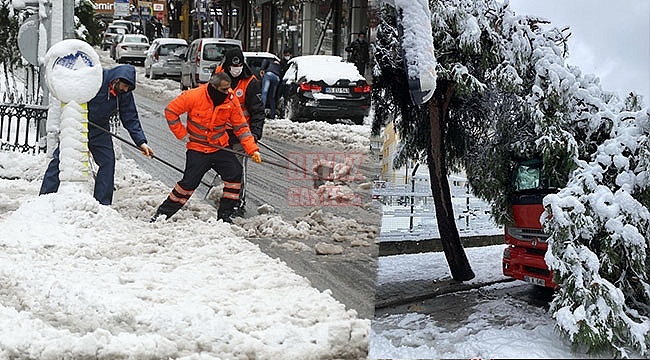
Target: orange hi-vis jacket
206 124
240 92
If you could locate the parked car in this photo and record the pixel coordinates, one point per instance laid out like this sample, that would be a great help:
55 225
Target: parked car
324 87
163 57
131 29
111 32
254 60
131 48
200 59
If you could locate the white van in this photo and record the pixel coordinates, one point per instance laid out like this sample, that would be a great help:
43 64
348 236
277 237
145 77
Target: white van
200 59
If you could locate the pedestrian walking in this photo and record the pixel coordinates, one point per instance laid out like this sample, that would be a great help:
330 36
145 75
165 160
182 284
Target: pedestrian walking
247 88
359 54
115 94
287 55
270 71
211 108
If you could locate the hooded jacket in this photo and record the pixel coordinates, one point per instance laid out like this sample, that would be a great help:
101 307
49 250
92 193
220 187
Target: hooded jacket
103 105
207 124
248 90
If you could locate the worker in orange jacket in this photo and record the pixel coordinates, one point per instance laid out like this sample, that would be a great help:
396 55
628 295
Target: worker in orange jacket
210 108
248 90
247 87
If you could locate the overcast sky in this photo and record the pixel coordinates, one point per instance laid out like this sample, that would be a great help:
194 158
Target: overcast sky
609 38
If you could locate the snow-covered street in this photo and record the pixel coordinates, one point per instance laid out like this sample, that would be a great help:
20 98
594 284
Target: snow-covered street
80 279
508 320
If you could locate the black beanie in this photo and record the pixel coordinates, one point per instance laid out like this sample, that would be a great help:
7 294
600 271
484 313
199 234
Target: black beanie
233 56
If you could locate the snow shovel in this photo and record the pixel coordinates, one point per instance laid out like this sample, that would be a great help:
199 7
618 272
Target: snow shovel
152 156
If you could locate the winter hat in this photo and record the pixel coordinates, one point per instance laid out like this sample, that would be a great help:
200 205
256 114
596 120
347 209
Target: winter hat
233 56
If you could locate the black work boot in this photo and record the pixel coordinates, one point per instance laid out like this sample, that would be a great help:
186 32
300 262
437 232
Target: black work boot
240 209
226 210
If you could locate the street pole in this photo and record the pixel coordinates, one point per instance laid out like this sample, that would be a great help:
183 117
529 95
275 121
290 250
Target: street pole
68 19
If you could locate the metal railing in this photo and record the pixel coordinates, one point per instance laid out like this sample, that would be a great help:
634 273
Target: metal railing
20 126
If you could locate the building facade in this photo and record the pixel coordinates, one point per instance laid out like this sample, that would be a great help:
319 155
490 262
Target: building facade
304 26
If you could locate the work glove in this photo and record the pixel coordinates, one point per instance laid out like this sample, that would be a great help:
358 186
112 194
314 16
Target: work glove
256 157
186 138
146 150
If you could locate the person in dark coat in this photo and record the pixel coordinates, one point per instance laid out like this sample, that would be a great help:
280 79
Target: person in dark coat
287 55
270 71
359 53
115 94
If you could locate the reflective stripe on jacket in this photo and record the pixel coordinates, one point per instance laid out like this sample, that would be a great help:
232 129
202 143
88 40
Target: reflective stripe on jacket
206 124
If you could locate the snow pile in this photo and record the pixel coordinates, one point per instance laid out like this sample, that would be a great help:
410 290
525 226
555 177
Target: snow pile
82 280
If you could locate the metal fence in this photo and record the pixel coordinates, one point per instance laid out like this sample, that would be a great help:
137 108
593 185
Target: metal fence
20 126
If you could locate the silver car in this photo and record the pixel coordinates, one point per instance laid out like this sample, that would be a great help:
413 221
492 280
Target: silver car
163 58
131 48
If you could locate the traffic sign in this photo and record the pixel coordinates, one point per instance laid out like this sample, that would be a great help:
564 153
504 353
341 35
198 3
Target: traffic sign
121 8
28 40
73 71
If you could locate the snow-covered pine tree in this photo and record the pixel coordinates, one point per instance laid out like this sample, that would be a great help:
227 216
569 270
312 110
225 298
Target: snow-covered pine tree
599 225
510 79
600 243
87 27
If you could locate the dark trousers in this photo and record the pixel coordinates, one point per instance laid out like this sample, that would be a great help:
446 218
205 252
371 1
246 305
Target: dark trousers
196 165
101 147
362 68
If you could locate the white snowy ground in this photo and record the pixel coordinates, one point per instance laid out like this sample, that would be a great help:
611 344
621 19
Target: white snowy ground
496 329
79 279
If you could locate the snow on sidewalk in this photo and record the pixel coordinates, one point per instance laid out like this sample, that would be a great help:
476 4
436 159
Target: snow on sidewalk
80 279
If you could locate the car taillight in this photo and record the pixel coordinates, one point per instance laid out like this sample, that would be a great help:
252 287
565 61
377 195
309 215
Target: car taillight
310 87
361 89
124 47
155 56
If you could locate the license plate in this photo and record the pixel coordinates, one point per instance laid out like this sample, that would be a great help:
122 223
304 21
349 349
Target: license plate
534 280
331 90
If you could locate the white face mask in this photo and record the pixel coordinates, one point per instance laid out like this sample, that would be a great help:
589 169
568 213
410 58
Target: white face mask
236 71
288 57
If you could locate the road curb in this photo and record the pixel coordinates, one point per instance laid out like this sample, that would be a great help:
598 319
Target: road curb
438 288
387 248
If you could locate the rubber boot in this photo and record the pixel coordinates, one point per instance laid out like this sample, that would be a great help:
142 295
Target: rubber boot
226 210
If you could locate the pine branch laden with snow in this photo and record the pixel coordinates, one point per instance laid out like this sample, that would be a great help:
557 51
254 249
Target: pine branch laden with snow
600 242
